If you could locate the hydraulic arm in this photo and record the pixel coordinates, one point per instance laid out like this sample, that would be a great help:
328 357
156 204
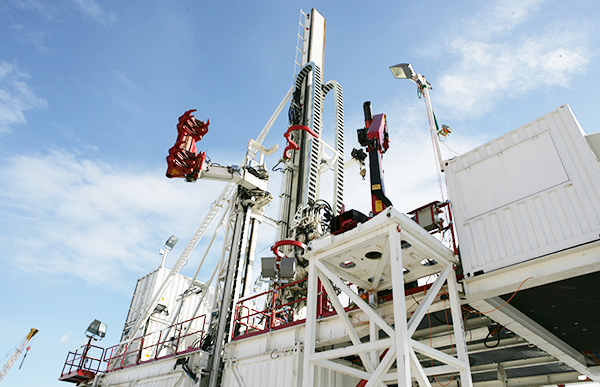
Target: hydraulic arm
375 138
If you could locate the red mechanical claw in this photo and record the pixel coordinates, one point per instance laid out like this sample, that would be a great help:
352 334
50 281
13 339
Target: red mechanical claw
183 159
285 242
291 143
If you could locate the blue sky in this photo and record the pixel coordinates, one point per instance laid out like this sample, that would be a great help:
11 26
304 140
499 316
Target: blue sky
90 93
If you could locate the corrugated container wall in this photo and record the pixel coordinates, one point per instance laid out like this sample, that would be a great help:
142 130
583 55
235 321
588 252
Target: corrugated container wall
166 381
281 370
147 287
528 193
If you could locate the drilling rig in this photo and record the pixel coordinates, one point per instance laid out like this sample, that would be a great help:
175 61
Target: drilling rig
366 300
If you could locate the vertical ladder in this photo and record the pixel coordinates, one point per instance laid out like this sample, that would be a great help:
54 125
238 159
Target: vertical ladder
301 42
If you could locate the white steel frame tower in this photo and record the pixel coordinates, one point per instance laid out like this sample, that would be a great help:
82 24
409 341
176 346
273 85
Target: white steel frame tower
384 252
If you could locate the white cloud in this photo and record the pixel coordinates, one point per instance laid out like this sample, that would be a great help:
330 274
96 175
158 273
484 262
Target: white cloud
500 18
34 37
92 10
65 338
496 61
16 96
72 217
29 4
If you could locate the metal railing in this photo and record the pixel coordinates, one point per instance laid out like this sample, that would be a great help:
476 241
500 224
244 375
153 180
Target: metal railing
157 345
87 358
277 314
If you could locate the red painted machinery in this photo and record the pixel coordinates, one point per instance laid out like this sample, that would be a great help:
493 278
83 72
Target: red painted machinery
374 137
183 159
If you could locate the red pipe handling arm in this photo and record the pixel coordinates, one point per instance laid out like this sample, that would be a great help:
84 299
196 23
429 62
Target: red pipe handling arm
285 242
375 138
183 159
291 144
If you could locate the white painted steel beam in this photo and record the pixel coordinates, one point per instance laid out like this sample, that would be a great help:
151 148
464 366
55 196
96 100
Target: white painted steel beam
383 367
438 355
365 307
421 311
418 370
308 374
238 377
459 332
513 319
348 277
341 314
380 265
341 368
439 370
562 265
360 348
400 325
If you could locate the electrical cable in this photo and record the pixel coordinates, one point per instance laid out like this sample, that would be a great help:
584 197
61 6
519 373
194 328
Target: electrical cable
470 310
492 333
511 297
446 145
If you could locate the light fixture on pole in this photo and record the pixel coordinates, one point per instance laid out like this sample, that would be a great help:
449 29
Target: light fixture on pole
96 330
403 71
406 71
169 244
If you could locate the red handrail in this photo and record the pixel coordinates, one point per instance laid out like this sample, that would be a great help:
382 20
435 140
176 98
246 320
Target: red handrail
248 320
83 358
154 346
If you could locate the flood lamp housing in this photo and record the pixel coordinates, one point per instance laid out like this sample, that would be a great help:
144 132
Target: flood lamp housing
403 71
96 330
171 242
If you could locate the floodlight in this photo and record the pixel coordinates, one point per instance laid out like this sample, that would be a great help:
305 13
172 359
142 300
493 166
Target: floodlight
171 242
96 330
406 71
403 71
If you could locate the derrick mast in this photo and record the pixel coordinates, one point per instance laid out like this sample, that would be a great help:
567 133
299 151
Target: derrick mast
299 219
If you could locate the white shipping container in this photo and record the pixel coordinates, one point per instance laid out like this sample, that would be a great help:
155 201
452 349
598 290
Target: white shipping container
281 369
148 286
531 192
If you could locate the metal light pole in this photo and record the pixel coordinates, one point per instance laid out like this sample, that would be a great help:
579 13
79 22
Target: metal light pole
169 244
406 71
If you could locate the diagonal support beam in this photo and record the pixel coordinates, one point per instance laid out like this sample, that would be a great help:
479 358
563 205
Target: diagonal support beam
417 370
522 325
421 311
438 355
343 369
383 367
446 260
341 313
356 299
350 278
